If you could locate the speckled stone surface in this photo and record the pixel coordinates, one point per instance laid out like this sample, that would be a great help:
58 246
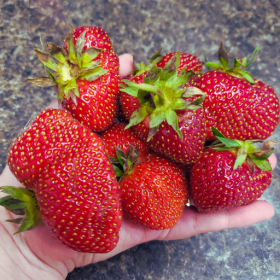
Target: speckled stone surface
140 28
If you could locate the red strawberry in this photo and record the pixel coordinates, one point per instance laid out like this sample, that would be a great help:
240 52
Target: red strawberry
233 174
187 62
86 77
74 183
236 104
170 117
118 136
154 192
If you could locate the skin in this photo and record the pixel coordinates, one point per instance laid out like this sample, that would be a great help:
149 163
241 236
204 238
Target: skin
37 255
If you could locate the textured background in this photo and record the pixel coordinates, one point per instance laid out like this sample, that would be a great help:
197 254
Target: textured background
140 28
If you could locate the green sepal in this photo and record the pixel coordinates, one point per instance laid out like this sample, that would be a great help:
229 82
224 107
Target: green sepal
51 76
118 171
133 91
87 57
119 156
261 163
152 132
138 115
221 148
57 52
266 156
172 120
228 142
255 52
46 60
213 65
223 56
42 82
247 76
142 86
93 74
21 202
157 117
240 158
80 46
152 76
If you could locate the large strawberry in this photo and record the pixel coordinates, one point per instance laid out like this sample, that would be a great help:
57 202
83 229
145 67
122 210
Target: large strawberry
168 116
230 173
74 184
236 104
86 74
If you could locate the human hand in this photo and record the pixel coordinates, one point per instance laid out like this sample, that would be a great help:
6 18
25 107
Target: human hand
38 254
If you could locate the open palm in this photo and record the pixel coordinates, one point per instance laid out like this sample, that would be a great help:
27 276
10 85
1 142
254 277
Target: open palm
45 256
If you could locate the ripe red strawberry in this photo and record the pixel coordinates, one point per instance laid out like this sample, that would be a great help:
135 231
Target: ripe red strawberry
187 62
233 174
154 192
168 116
118 136
236 104
74 183
86 77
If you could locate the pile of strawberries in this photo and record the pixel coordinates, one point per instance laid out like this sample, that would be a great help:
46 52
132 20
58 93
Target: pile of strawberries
138 146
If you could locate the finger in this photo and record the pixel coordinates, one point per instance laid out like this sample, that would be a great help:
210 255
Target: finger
192 222
273 161
126 64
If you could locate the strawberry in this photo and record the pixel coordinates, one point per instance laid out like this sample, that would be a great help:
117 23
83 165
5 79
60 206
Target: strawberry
168 116
231 173
74 184
154 192
187 62
86 75
118 136
236 104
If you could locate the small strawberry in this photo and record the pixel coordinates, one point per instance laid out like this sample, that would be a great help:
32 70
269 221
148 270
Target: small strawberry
236 104
154 192
169 116
86 74
74 184
118 136
231 173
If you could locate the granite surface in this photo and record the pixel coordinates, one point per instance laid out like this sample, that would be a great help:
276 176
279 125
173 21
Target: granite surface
140 28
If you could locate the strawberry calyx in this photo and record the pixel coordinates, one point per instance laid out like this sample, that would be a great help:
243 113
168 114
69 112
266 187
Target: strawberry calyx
21 202
162 94
140 68
245 151
240 64
63 69
125 163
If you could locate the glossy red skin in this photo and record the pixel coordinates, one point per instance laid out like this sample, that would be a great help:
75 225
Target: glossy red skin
167 142
188 61
95 37
118 136
97 104
237 108
79 198
155 193
59 150
216 186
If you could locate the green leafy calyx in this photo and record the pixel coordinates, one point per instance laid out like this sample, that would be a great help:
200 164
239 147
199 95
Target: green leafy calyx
162 94
21 202
140 68
246 151
63 69
239 66
124 163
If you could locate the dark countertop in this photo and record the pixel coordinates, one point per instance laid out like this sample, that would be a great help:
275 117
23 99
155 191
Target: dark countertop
140 28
